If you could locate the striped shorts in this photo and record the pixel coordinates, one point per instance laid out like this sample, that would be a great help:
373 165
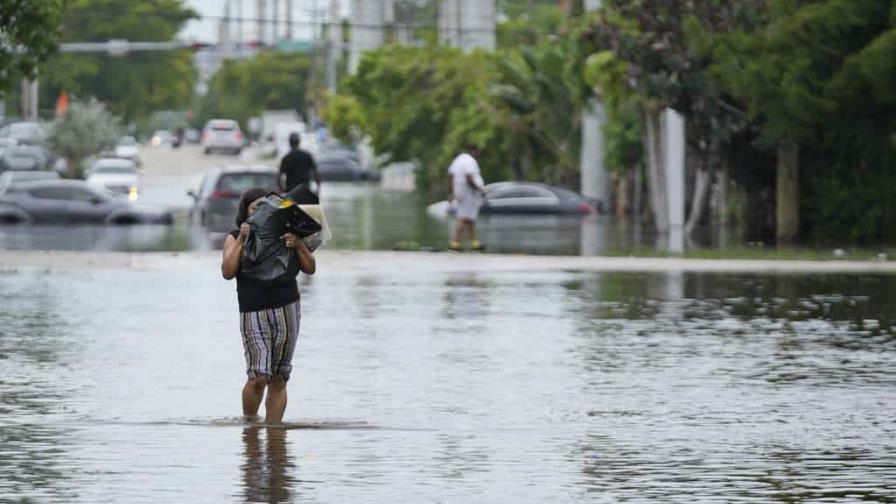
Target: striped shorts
269 339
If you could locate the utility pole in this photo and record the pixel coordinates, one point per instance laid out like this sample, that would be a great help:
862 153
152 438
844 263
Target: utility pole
288 19
260 8
29 99
275 21
595 180
239 24
334 44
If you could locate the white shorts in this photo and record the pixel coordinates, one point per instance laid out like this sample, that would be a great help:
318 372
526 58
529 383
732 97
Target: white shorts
468 203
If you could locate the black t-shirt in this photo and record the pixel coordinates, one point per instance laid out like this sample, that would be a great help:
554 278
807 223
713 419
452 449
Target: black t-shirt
255 296
297 165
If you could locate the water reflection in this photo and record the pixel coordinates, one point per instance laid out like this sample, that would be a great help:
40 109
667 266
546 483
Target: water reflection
34 353
466 300
33 468
267 468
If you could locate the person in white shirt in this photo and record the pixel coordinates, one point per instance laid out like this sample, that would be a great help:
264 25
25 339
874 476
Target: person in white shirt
466 190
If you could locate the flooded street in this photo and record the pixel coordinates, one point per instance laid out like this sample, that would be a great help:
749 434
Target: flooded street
438 377
122 385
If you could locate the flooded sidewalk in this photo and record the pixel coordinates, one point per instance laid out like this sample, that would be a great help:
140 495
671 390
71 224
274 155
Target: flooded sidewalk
427 377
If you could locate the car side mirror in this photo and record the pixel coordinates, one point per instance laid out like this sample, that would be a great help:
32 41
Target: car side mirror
191 193
96 200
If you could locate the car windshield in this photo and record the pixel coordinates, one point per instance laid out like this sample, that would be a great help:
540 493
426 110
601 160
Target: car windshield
127 141
239 182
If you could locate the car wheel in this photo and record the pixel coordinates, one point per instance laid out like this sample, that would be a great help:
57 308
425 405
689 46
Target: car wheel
208 151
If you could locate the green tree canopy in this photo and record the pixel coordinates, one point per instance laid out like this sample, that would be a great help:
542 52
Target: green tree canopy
28 35
270 80
87 128
132 85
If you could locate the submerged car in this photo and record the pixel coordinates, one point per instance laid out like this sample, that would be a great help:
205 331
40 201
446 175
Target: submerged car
16 177
115 175
215 203
520 198
338 167
72 202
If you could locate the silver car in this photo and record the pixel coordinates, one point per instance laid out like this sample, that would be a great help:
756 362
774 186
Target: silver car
223 135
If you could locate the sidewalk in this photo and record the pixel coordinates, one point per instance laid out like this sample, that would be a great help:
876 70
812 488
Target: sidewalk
403 263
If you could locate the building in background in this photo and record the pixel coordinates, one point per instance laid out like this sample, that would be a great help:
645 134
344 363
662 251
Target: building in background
468 24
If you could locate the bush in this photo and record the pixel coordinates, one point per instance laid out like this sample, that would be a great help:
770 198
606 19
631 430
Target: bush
86 129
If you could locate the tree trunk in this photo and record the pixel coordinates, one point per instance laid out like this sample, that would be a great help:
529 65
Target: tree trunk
722 204
622 202
787 194
656 175
701 184
635 176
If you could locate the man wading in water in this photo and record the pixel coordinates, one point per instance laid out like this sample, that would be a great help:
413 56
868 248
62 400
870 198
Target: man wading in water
465 186
269 317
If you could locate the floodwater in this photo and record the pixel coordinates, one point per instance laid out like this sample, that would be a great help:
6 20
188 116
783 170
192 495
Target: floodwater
123 386
362 217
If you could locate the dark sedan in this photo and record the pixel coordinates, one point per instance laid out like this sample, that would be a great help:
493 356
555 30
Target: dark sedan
71 202
215 203
339 167
519 198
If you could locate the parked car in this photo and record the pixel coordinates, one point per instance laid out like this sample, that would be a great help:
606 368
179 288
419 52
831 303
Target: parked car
222 135
72 202
127 148
25 132
115 175
24 157
7 142
15 177
161 138
336 167
515 198
215 203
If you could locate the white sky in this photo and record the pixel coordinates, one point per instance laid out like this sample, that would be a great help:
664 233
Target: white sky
206 29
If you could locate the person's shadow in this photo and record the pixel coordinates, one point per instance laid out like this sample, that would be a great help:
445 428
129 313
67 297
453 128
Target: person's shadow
266 470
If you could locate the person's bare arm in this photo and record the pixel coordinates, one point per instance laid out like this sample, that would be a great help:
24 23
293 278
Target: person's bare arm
233 252
472 181
307 264
281 175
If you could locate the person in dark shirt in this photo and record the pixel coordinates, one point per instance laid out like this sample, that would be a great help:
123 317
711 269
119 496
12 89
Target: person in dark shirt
269 316
297 167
